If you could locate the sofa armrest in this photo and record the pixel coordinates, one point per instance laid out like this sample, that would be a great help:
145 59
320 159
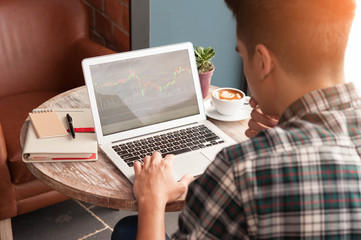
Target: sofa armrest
85 47
7 201
80 49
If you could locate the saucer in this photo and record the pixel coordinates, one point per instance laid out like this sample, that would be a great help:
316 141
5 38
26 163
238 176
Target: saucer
211 112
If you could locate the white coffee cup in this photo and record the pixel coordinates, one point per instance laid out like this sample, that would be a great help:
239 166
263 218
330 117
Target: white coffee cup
228 101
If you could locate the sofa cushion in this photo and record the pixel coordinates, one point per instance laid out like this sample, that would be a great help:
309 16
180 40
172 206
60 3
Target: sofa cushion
13 113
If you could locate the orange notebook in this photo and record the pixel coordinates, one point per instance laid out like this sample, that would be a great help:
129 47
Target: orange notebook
46 123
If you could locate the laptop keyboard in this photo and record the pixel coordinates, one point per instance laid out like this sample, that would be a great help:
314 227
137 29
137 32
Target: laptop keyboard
176 142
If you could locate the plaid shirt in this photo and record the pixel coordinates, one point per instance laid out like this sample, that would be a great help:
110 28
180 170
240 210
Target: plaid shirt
299 180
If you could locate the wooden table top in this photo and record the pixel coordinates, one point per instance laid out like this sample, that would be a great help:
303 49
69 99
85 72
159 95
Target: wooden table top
100 182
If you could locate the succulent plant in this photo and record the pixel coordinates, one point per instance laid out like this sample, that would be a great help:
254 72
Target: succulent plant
203 58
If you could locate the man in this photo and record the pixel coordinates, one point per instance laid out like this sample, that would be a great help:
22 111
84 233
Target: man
298 177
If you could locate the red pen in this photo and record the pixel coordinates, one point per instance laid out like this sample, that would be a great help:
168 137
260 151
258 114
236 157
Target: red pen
83 130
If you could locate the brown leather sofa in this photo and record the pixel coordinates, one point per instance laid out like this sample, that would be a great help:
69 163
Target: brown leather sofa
42 43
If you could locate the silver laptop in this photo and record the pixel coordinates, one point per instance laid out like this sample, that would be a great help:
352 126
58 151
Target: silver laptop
150 100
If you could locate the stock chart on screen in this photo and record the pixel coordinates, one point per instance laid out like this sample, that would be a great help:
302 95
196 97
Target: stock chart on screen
142 91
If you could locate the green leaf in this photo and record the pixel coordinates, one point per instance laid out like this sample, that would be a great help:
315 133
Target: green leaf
203 58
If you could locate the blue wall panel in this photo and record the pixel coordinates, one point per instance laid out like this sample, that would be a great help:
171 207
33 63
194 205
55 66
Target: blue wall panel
202 22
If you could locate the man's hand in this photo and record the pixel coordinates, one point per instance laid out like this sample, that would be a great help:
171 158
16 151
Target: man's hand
154 180
259 120
154 186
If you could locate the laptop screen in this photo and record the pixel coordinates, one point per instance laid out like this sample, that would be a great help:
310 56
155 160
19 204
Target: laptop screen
145 90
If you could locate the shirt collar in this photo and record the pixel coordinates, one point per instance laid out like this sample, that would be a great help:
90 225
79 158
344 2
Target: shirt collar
333 98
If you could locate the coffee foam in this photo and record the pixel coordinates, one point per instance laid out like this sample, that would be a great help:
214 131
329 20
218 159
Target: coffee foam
228 95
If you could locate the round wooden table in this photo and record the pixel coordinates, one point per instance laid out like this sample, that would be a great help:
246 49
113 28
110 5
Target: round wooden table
100 182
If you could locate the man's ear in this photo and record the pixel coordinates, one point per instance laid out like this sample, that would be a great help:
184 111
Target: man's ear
265 61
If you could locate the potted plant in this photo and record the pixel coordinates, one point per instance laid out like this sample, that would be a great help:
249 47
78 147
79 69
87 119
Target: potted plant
205 67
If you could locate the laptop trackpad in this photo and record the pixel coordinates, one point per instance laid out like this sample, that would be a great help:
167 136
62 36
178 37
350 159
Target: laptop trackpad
194 164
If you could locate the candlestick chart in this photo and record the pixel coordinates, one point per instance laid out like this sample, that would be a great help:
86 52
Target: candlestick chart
142 84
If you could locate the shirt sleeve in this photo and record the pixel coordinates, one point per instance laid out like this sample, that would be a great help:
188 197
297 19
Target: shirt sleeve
213 208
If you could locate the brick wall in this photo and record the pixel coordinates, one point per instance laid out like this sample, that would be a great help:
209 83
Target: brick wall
109 23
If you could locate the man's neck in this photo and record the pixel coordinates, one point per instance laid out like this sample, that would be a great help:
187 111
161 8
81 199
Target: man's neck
302 86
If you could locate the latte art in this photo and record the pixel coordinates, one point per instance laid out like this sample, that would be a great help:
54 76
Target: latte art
228 94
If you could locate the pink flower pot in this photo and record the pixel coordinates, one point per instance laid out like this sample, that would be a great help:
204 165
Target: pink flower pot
205 79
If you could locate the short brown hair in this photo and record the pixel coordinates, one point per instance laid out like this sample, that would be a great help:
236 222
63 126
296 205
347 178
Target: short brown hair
302 34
